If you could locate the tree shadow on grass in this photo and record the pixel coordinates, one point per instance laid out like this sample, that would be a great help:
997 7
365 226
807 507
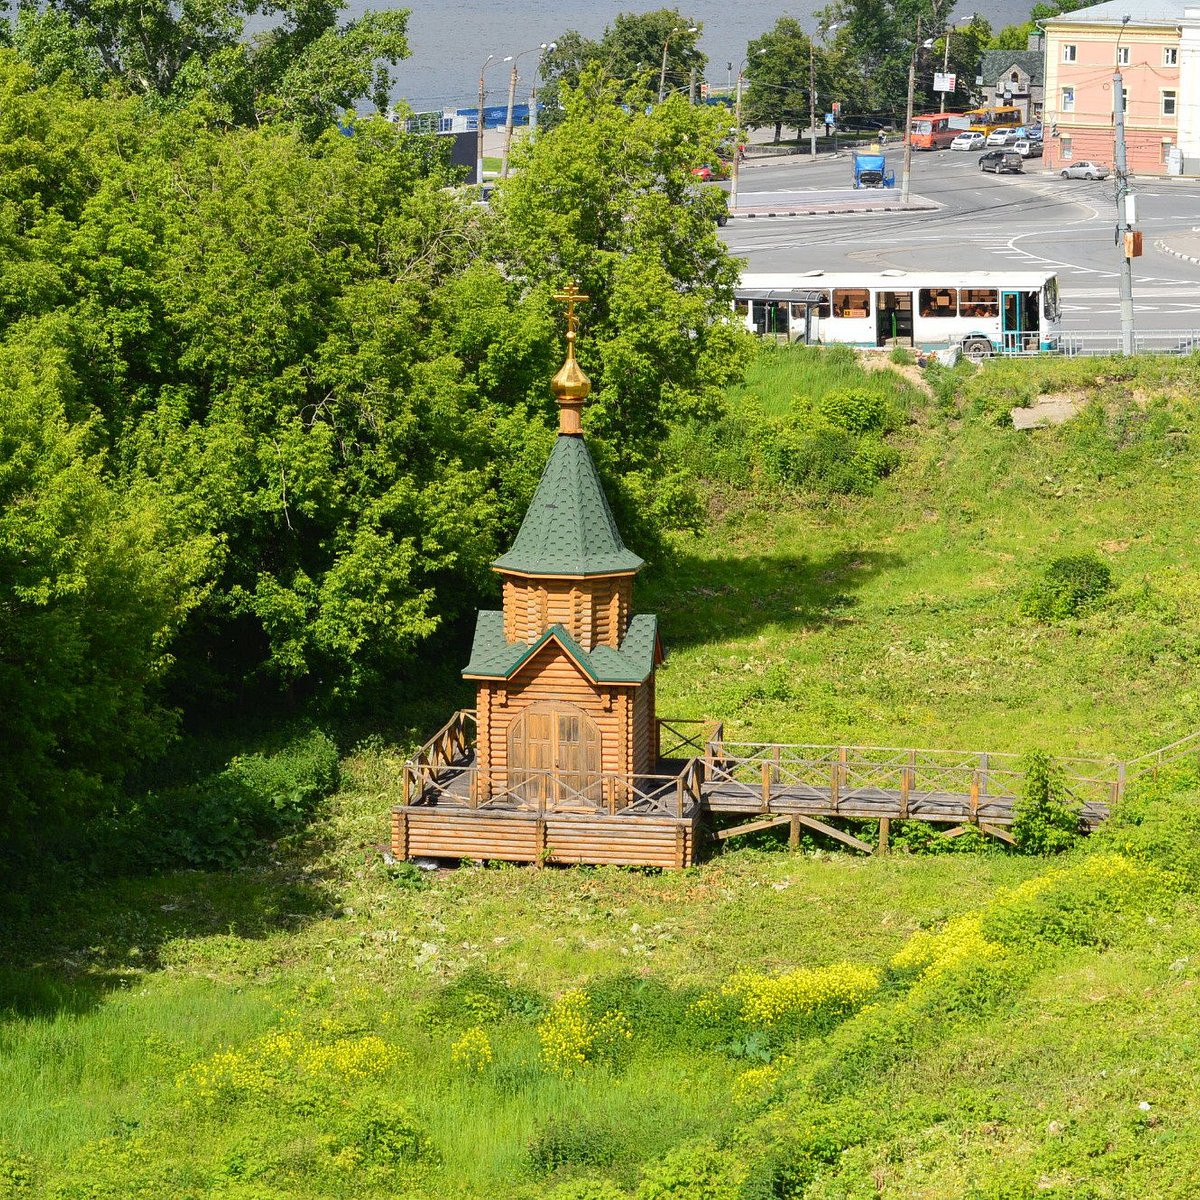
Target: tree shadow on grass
64 949
703 599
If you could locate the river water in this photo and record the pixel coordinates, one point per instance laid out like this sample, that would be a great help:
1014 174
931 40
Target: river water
450 39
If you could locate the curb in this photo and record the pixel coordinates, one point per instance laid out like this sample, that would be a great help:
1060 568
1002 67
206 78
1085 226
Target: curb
1165 249
833 212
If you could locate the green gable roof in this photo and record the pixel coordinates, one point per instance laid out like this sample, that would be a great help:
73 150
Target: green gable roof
492 657
569 528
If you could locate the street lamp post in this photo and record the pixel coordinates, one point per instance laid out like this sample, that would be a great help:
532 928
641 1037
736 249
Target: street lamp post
512 95
812 104
906 179
1121 165
487 62
737 133
662 75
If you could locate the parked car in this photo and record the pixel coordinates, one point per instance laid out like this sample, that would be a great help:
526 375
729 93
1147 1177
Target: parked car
1028 149
969 139
1002 162
1002 137
1034 133
1085 170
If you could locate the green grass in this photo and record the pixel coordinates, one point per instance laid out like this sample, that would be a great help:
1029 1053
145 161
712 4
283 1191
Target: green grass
1051 1051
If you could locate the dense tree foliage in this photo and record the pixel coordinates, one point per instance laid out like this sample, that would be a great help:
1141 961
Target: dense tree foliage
304 67
274 401
780 66
630 53
876 42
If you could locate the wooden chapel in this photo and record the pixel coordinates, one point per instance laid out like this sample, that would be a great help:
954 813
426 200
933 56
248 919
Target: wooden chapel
565 752
565 670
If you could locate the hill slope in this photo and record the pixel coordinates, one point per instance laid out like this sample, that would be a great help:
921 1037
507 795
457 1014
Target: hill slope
767 1024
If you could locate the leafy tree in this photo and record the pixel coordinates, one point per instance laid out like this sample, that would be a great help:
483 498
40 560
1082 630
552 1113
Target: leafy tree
1011 37
305 67
95 578
877 40
777 70
630 53
607 199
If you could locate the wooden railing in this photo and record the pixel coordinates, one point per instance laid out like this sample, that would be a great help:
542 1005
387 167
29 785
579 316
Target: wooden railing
1151 763
549 791
843 774
446 751
685 737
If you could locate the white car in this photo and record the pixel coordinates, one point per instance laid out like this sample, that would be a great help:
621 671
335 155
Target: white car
1028 149
1001 137
1085 170
968 140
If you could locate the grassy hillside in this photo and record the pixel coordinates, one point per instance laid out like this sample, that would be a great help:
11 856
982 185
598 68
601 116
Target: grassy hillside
768 1024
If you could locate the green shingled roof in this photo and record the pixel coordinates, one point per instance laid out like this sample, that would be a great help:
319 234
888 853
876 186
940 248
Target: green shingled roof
492 657
569 528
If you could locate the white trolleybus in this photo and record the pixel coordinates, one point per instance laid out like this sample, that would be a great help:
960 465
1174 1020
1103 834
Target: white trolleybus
984 312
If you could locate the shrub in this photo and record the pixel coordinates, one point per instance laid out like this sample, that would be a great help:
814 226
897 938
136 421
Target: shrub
478 997
1087 904
473 1051
588 1189
813 994
1158 823
1046 818
1068 587
573 1036
694 1171
855 410
217 822
385 1132
572 1141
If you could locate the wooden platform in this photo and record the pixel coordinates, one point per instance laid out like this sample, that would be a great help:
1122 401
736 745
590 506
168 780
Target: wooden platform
448 811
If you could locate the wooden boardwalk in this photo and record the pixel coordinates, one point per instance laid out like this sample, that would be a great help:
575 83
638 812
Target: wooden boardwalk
448 810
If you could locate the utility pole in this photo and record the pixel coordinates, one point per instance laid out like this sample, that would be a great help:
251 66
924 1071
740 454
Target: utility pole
906 181
737 153
1125 282
945 70
812 104
508 119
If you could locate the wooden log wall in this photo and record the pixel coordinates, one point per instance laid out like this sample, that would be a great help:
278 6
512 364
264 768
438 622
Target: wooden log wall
549 838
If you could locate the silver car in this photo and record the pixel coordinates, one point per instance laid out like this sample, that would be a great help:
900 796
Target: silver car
969 139
1002 137
1085 170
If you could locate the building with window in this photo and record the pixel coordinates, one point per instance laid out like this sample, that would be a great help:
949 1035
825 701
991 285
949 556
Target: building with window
1084 50
1013 77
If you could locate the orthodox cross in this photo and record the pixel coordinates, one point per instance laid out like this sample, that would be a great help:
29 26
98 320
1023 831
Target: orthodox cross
570 298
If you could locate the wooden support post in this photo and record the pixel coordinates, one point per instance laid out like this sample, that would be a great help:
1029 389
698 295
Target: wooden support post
906 783
766 787
838 835
610 789
539 842
752 827
794 833
885 829
974 797
679 796
680 847
996 832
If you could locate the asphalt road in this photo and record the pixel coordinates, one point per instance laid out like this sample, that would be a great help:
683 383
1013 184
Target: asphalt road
985 222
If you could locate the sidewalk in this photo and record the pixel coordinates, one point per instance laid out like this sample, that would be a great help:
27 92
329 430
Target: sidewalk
1185 244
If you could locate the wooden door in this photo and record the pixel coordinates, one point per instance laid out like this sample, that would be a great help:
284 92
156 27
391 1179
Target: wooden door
554 757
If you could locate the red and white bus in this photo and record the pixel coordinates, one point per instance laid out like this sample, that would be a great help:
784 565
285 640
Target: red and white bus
935 131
